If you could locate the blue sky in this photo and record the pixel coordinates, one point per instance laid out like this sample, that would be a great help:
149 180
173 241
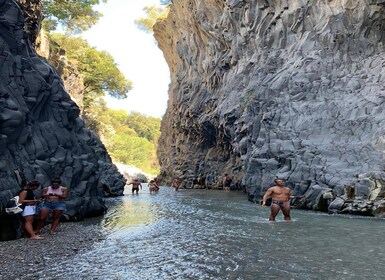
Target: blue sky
136 54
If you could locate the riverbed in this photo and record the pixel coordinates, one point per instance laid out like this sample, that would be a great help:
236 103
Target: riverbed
207 234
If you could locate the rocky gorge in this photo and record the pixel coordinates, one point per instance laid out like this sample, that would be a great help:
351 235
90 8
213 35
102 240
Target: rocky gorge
262 89
42 135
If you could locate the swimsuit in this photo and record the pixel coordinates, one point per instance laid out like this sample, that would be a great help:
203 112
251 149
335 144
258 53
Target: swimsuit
279 203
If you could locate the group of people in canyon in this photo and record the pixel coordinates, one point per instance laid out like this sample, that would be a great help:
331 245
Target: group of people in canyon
135 185
36 211
279 193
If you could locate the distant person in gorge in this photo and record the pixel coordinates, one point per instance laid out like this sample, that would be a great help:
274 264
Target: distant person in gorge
156 184
227 182
135 186
54 197
175 184
280 200
27 198
153 188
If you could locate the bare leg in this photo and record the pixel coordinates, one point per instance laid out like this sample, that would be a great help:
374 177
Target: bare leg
55 220
286 211
42 218
274 209
29 229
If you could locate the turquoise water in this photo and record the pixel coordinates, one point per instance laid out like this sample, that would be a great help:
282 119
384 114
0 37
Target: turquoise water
200 234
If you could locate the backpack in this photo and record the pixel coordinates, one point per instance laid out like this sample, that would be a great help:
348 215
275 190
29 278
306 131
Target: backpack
13 206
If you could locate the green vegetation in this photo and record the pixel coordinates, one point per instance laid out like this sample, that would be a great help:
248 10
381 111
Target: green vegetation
72 16
129 138
99 70
153 14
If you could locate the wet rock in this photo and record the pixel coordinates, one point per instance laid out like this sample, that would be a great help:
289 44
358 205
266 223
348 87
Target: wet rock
299 95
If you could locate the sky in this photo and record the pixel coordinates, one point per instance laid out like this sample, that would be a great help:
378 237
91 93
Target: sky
135 52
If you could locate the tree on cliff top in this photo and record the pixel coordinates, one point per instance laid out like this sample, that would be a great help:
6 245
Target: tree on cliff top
98 68
74 16
99 71
153 14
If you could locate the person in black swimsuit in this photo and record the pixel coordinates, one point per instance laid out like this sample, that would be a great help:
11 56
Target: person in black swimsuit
135 186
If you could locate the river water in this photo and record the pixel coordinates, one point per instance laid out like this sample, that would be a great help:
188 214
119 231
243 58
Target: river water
201 234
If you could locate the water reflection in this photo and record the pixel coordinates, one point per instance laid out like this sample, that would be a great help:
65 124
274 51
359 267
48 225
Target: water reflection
220 235
129 214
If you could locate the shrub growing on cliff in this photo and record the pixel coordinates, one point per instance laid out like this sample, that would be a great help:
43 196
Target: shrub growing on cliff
153 14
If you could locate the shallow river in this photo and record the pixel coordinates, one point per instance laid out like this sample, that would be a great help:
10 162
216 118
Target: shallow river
200 234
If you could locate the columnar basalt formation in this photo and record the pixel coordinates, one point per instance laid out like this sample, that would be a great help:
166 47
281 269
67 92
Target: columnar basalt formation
41 134
265 89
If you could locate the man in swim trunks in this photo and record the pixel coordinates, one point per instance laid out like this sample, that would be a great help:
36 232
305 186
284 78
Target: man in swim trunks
135 186
280 195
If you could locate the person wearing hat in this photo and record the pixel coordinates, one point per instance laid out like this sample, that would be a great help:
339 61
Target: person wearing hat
27 198
54 196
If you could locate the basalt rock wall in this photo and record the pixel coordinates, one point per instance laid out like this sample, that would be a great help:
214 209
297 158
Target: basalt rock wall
41 134
265 89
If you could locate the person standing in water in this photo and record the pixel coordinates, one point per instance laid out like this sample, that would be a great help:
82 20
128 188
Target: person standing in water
175 184
135 186
280 200
227 182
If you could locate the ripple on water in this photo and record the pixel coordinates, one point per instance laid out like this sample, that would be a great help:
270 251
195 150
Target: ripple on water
218 235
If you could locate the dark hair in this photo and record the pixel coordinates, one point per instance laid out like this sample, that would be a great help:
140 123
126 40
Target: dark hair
33 183
56 180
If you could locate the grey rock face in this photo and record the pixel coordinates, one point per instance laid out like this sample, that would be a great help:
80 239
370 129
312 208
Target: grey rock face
41 134
265 89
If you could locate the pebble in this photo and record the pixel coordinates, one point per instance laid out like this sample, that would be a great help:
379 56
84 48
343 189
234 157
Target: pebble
24 256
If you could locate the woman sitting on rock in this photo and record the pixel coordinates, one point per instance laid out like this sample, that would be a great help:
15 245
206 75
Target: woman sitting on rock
54 196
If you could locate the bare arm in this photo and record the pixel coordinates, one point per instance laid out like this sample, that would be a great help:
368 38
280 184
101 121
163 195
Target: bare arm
65 193
22 199
44 193
266 196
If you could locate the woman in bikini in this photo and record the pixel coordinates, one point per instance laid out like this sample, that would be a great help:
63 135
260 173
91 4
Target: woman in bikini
54 196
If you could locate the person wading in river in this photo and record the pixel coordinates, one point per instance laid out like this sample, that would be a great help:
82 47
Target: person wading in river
280 200
135 186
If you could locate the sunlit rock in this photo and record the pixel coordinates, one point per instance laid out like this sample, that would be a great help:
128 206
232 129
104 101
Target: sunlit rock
266 89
